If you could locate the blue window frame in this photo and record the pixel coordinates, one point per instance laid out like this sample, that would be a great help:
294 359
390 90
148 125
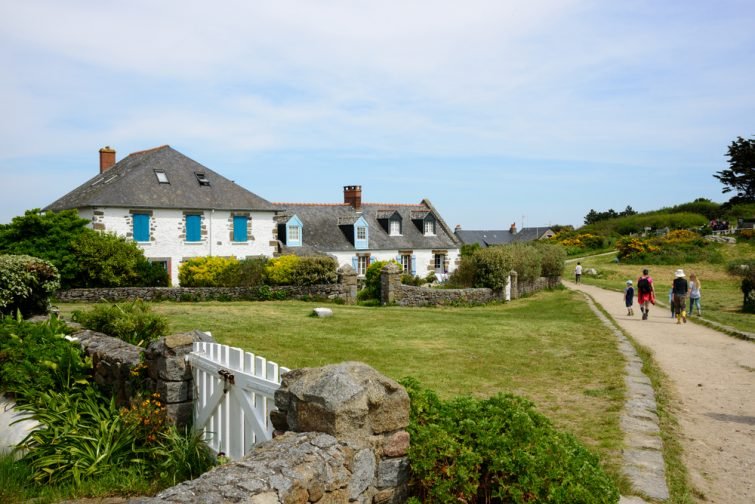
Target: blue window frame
141 227
240 233
193 228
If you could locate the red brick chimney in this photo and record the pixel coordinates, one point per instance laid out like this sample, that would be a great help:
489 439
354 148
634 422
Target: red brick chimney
512 229
352 195
107 158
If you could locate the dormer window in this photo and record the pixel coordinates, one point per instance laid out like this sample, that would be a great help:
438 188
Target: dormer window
395 225
361 232
202 179
162 177
429 227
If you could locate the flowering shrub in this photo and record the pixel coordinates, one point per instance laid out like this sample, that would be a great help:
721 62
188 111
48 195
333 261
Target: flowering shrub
147 416
632 246
676 247
26 284
680 236
204 271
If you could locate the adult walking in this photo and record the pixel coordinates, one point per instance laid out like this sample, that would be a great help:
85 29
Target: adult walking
645 293
694 294
680 288
578 272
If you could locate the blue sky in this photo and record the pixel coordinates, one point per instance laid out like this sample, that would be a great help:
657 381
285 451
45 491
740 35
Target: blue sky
531 112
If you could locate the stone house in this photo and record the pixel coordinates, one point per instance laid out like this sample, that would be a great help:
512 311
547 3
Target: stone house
173 207
503 237
358 233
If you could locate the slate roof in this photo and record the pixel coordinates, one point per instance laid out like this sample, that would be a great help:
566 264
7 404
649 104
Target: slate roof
500 237
323 226
132 183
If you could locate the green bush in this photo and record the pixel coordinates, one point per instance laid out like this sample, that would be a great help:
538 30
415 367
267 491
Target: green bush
26 284
463 277
316 270
527 261
496 450
181 455
372 285
36 357
677 247
552 258
280 270
132 322
109 260
244 273
492 267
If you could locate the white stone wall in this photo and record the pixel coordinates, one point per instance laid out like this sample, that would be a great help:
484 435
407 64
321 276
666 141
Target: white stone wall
167 234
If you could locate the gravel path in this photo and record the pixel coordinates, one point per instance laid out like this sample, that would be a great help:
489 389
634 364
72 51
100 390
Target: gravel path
712 376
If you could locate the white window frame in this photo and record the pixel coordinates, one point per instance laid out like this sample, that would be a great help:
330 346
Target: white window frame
361 233
395 226
294 233
439 262
406 263
429 227
363 262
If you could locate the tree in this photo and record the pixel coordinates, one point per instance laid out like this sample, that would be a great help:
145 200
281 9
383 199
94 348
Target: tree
740 176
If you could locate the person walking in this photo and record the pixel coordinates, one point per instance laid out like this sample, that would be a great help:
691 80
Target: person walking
645 293
680 287
694 294
629 297
578 272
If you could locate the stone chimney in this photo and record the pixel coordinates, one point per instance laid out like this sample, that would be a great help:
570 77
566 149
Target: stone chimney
352 195
107 158
512 229
457 228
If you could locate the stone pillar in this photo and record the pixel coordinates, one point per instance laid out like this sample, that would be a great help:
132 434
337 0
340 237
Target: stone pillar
347 277
514 282
390 283
170 375
361 408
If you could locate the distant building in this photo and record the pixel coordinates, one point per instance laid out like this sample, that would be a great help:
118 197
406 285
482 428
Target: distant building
503 237
358 233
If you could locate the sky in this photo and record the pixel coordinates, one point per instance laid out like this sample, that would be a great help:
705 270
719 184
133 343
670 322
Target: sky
529 112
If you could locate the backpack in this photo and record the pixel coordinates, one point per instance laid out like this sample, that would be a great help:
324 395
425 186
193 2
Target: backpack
643 284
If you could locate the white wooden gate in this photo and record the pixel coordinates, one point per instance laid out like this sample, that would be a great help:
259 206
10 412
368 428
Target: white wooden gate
233 397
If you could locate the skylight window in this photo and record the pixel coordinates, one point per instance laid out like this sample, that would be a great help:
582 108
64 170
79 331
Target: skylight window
162 177
202 179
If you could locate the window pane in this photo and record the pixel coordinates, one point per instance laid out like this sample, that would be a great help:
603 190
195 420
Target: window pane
240 228
193 228
395 227
141 227
293 233
429 227
361 233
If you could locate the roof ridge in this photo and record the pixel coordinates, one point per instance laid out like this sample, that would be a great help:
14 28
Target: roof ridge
418 205
145 151
310 204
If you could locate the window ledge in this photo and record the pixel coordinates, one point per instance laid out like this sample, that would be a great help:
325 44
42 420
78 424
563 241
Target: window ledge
248 242
201 242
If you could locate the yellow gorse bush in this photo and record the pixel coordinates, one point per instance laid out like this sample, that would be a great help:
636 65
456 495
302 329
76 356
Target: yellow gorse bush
203 271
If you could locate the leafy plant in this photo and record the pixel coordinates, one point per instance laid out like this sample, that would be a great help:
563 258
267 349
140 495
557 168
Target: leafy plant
182 455
281 270
26 284
496 450
36 357
492 267
527 261
205 271
132 322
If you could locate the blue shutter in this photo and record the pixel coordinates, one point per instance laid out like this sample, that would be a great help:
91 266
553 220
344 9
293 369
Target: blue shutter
239 228
414 265
355 263
141 227
193 228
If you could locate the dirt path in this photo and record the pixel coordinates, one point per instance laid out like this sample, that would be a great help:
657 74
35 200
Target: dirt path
713 380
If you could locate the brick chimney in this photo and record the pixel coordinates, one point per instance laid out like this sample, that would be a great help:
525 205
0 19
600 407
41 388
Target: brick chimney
512 229
352 195
107 158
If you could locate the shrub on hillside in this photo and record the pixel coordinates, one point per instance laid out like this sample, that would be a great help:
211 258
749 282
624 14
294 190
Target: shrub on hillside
204 271
575 242
26 284
133 322
36 357
496 450
677 247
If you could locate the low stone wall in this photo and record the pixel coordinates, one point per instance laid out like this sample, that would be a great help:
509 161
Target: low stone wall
341 438
525 288
126 369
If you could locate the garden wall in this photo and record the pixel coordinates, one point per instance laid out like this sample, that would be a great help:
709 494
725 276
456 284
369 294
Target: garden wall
345 289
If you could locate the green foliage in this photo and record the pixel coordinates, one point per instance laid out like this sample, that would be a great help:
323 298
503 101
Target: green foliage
26 284
245 273
552 258
84 437
132 322
463 277
468 249
109 260
637 223
702 206
281 270
740 176
204 271
579 242
181 455
372 286
47 235
294 270
592 216
527 261
676 247
492 267
496 450
36 357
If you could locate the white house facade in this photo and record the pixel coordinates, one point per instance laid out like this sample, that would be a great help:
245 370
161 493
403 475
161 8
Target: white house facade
174 208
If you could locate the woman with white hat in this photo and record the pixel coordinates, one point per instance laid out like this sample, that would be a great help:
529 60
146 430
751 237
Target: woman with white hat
680 296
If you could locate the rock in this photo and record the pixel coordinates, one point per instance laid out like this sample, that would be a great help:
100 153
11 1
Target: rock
323 312
591 271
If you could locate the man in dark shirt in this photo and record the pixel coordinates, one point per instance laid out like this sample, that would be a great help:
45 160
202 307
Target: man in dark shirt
680 296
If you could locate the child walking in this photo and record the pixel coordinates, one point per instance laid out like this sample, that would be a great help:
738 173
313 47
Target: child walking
629 297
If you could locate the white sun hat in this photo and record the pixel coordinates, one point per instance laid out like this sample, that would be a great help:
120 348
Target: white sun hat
679 273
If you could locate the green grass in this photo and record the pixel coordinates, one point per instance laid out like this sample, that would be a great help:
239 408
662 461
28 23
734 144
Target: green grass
721 295
548 347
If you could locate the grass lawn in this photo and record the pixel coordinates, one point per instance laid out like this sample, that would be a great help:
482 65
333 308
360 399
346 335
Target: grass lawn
549 348
721 297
